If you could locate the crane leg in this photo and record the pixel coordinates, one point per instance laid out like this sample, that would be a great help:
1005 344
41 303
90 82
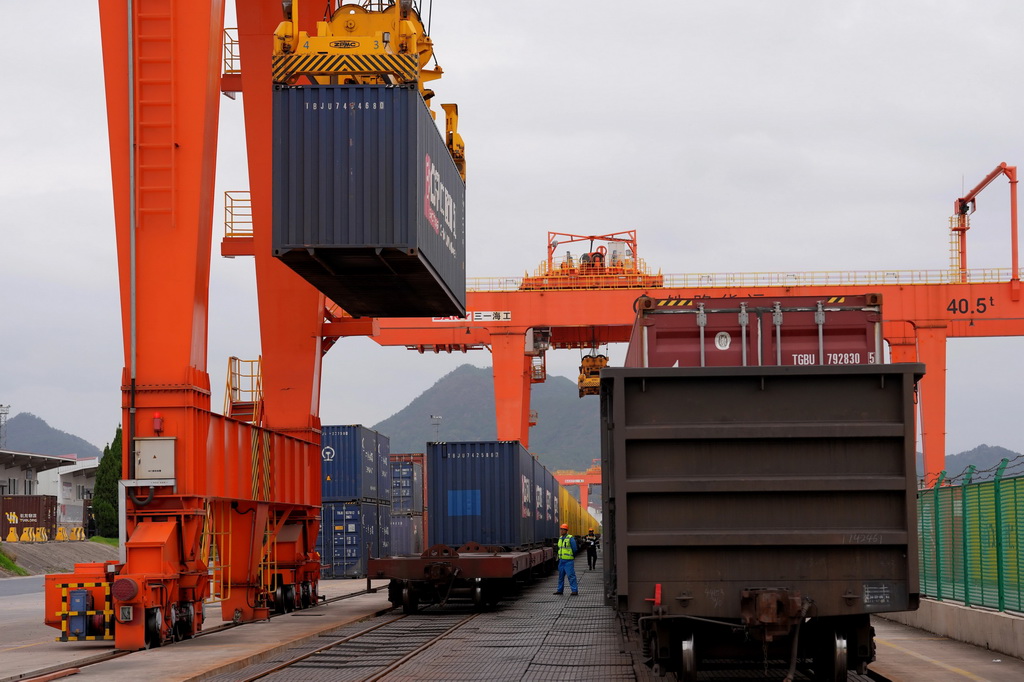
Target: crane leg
511 367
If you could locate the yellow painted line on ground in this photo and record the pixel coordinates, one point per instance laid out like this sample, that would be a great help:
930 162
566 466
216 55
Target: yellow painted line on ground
958 671
23 646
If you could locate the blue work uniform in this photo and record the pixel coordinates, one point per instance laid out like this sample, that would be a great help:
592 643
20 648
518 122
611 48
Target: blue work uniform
566 565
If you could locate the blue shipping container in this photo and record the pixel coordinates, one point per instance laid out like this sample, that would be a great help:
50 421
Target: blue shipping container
351 466
483 491
384 467
350 532
406 534
368 205
406 488
546 489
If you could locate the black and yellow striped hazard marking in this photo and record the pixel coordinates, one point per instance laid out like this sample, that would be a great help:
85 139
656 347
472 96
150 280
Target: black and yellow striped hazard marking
65 613
837 299
674 302
288 67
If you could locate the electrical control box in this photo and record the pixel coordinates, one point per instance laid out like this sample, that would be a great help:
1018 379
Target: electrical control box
154 458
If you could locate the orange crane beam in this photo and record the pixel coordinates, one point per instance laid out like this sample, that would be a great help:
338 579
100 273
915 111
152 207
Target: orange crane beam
918 318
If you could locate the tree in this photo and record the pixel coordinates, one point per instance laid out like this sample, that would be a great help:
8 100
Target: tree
104 496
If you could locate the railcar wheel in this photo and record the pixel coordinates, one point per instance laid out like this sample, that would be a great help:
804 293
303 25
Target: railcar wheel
410 600
830 664
688 661
289 598
279 599
154 623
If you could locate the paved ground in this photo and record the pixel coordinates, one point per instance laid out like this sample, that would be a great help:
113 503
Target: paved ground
40 558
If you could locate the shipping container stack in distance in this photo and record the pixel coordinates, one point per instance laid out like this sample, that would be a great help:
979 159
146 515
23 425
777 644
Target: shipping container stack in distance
494 516
407 493
356 509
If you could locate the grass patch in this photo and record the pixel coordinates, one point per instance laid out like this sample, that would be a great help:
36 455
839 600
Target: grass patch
8 564
104 541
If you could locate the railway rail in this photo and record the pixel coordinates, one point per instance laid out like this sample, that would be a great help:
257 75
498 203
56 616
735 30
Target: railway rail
368 654
64 670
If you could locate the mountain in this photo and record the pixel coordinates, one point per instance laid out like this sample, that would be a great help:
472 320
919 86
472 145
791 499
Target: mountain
566 435
26 432
985 459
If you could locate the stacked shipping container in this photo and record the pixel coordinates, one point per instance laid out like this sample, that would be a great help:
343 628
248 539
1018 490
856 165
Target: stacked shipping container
404 531
356 485
407 493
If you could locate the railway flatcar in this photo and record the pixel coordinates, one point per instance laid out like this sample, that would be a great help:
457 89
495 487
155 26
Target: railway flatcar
762 511
494 517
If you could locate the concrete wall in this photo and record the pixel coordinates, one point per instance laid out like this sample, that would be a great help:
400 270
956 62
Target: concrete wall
990 629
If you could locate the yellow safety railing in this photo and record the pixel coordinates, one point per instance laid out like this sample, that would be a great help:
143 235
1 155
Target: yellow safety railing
237 213
782 279
215 551
232 57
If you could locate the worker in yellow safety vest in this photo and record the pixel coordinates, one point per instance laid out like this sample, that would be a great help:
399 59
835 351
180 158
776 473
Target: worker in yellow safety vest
566 557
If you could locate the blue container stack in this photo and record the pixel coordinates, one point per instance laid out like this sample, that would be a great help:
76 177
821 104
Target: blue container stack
406 508
351 532
356 487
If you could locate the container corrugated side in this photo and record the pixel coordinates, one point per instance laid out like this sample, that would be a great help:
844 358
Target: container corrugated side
724 479
406 534
407 487
350 464
368 205
480 491
751 332
28 511
383 466
419 458
350 532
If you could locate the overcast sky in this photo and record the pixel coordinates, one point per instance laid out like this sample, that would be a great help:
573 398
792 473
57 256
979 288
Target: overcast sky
733 136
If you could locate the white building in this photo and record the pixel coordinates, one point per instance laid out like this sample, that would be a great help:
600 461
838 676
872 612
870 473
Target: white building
21 472
73 485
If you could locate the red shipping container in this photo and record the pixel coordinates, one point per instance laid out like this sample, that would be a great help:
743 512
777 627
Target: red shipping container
28 511
751 332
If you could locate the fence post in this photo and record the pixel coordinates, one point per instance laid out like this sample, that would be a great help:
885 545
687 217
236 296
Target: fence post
937 523
964 525
1000 572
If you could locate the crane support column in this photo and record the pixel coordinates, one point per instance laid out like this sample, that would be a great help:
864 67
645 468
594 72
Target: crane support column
511 367
161 66
931 350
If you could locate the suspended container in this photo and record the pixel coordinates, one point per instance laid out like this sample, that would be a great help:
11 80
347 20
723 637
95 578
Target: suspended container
350 532
368 206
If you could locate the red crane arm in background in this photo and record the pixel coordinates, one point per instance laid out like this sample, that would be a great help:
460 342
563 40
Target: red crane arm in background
967 204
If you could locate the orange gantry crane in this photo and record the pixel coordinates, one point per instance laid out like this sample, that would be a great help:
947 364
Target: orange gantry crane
583 479
569 306
218 506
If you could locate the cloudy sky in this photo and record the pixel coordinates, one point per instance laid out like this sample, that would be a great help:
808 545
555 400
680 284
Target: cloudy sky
748 136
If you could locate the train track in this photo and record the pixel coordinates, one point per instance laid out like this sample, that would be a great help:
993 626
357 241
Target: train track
65 670
368 654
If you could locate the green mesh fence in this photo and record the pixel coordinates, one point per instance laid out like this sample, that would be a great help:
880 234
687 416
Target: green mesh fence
971 540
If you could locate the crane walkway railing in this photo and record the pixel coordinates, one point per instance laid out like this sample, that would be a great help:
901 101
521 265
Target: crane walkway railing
786 279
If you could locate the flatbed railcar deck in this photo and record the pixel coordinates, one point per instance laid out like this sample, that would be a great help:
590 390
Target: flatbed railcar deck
481 574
